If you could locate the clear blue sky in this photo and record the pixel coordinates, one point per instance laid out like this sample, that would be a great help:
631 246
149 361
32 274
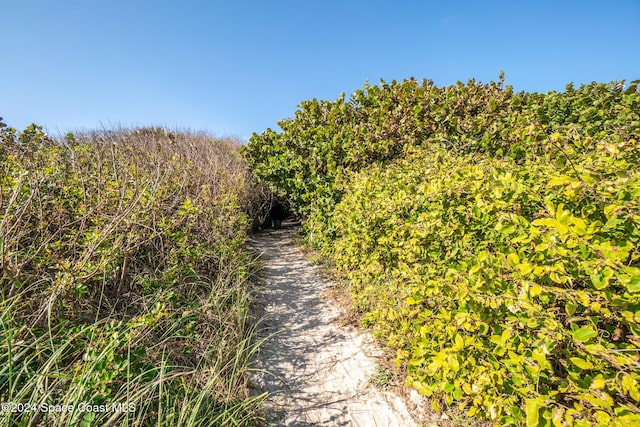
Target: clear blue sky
237 67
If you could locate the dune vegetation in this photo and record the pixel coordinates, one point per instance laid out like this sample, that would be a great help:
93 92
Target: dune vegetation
490 238
124 292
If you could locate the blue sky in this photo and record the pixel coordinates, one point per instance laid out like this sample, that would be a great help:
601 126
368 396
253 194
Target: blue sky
237 67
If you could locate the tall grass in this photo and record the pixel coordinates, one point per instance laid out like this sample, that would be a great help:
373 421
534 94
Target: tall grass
124 279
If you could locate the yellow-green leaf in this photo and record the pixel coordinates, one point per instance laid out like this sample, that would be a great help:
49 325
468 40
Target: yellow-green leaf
598 382
533 406
581 363
570 308
525 268
610 211
584 334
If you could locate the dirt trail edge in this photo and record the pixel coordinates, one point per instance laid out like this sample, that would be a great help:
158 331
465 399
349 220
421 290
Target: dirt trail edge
316 371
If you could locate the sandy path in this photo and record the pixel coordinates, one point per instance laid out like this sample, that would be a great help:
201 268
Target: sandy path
319 371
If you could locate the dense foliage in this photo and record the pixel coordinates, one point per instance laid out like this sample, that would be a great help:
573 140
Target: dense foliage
124 279
492 238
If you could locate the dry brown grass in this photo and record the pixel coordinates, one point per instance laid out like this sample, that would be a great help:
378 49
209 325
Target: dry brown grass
124 277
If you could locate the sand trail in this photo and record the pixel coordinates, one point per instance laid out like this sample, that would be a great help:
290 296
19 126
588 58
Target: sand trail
317 371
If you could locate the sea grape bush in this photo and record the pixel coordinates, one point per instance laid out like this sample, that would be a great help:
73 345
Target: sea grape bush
124 278
490 237
327 140
502 286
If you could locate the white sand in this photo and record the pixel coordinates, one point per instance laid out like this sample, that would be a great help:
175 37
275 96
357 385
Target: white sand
318 372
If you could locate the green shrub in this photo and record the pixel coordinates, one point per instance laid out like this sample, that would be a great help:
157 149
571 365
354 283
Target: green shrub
312 159
502 286
490 237
124 278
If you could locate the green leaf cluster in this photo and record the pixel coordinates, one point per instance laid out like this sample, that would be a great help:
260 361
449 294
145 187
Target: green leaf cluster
498 283
491 238
311 160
